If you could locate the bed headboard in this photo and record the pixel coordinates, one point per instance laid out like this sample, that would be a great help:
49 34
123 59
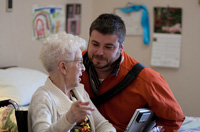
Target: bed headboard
6 67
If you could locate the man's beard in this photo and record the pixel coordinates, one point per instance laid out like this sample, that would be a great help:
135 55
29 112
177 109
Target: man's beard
97 65
100 67
106 66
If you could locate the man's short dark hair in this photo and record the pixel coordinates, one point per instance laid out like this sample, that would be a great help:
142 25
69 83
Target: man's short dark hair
109 24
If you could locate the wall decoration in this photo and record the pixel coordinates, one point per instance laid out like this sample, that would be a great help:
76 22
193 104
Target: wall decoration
136 19
47 20
167 37
132 21
73 18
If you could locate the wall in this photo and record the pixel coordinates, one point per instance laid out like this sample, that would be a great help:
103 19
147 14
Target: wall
16 44
18 48
184 81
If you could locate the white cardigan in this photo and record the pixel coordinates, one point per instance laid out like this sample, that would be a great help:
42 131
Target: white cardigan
49 106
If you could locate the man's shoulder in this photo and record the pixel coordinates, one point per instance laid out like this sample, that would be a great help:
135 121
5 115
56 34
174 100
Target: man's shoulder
146 74
127 62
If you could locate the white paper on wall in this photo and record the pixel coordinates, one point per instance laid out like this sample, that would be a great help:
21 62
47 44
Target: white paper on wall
132 21
166 50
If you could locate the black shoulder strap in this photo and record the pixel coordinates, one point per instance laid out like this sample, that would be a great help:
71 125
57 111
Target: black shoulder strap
132 74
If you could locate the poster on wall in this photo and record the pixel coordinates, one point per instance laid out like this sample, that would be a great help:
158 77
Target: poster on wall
73 18
47 20
167 36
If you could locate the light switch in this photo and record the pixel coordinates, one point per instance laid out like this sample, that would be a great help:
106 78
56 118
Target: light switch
9 5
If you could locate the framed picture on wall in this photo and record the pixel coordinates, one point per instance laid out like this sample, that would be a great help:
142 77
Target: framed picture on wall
73 18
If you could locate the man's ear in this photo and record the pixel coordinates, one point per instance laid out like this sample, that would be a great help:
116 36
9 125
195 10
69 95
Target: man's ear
62 67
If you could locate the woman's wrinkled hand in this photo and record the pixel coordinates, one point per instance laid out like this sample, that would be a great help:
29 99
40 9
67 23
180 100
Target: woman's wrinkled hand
79 110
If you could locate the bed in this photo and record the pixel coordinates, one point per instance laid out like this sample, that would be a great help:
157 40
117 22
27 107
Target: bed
191 124
19 84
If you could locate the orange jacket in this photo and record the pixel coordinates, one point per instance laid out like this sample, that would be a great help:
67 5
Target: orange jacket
149 88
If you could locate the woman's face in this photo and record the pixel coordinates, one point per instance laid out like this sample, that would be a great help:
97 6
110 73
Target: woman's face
74 70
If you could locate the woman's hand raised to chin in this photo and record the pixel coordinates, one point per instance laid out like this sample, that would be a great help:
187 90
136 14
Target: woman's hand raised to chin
79 110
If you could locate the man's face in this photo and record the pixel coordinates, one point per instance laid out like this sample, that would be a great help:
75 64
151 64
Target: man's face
103 50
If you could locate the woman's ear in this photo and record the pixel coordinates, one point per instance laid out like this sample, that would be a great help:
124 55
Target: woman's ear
62 67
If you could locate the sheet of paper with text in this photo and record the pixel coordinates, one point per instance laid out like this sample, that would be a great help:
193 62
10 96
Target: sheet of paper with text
166 50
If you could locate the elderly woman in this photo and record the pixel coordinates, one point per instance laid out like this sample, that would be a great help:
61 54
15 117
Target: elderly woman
62 104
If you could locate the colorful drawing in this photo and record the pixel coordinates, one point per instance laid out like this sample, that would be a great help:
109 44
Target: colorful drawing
47 20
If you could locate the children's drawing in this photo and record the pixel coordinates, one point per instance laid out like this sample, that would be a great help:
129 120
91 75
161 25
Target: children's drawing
47 20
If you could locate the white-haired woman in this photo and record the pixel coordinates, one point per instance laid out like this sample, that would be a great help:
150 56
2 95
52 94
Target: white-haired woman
62 104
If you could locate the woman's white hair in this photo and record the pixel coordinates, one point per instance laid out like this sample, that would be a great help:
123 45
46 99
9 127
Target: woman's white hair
60 47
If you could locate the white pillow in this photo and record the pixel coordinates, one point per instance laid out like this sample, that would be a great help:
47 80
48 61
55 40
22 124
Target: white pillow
19 83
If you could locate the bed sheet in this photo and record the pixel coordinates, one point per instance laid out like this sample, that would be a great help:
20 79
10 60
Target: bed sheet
190 124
